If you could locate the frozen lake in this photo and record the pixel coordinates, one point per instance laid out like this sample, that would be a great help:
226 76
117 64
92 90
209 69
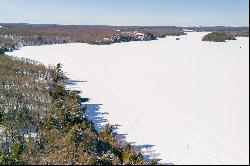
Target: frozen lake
186 101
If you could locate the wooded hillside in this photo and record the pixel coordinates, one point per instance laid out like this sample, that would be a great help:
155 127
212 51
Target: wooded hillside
43 123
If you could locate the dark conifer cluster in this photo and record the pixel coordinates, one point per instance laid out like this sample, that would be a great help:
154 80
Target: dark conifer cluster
218 37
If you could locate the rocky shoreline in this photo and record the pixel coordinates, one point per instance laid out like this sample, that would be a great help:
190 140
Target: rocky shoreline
127 37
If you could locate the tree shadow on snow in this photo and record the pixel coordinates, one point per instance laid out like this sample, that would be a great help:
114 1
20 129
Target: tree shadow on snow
94 114
146 149
71 82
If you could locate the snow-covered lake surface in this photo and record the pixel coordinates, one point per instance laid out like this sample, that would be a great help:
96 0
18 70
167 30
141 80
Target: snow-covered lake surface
186 101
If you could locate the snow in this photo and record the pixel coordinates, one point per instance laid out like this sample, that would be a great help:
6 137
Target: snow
186 101
188 30
1 26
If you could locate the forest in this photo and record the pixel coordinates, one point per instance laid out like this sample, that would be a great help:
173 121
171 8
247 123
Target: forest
218 37
15 35
43 123
235 31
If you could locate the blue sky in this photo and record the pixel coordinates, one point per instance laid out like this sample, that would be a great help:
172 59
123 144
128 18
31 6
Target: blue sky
127 12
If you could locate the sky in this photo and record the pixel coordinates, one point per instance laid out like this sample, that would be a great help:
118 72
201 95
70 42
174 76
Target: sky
127 12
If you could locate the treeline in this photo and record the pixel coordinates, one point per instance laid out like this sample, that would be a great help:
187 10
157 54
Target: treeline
235 31
218 37
43 123
7 44
16 35
34 34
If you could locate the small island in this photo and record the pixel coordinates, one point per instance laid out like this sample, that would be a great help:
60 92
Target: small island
218 37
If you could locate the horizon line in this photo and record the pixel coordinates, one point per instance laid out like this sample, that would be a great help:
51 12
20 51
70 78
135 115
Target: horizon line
193 26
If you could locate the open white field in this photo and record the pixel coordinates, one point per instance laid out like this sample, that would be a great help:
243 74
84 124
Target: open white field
186 101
